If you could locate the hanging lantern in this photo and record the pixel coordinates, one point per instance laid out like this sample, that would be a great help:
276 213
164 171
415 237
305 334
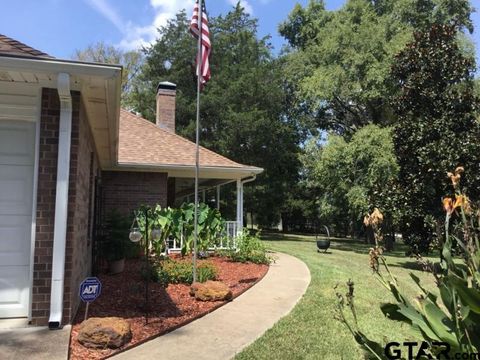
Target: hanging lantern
135 235
156 234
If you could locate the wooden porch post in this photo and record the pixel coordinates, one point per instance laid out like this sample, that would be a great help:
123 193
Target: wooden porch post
218 197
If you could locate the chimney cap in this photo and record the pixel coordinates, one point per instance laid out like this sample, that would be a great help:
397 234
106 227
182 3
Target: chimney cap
166 85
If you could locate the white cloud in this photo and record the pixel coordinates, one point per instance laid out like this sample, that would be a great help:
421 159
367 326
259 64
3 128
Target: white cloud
104 8
134 35
243 3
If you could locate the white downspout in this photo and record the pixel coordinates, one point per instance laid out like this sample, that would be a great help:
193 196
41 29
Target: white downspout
61 202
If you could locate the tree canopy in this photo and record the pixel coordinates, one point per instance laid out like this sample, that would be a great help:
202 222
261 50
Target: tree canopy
437 129
243 106
108 54
339 61
351 175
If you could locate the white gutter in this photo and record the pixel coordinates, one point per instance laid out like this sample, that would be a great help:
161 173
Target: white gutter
247 180
165 167
54 66
61 202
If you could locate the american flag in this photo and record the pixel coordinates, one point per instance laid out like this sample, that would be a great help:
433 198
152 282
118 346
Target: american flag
206 46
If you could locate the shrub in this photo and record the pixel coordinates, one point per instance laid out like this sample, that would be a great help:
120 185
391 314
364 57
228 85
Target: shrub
249 249
181 272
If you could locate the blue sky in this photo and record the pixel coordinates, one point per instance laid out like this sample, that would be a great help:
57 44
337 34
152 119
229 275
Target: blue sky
58 27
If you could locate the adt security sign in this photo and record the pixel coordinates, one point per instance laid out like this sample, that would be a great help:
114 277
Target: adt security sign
90 289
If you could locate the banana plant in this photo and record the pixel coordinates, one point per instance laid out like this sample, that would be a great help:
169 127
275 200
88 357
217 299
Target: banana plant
179 223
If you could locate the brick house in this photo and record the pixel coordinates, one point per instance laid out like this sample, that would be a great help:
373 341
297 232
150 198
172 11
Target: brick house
62 131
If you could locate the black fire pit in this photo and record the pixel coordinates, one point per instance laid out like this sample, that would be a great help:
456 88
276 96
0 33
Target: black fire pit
323 244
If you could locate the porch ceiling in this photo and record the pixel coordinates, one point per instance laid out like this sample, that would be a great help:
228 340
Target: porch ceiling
99 85
184 186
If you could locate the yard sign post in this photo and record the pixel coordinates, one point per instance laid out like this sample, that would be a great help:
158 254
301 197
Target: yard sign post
90 289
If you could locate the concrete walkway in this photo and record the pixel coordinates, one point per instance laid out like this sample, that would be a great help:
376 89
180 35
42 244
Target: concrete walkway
226 331
34 343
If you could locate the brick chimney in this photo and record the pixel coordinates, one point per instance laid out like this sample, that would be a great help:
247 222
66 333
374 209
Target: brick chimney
166 92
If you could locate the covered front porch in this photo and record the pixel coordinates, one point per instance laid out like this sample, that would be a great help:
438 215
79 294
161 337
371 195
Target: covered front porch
157 166
182 190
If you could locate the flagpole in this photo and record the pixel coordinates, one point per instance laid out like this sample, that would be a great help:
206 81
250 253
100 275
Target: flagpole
197 134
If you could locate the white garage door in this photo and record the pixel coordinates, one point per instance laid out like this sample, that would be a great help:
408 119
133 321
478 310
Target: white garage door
17 159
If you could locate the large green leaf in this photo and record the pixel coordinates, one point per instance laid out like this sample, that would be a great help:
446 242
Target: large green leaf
440 323
446 296
468 296
428 294
416 318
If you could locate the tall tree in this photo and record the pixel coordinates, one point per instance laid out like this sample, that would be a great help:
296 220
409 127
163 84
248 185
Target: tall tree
243 106
108 54
352 176
338 65
437 128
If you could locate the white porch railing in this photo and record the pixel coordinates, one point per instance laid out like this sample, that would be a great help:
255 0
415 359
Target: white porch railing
228 241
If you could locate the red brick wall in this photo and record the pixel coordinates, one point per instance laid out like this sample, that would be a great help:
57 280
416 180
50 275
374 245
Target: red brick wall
81 247
125 191
166 109
77 261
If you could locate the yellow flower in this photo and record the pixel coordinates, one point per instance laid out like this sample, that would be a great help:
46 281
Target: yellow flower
460 201
366 220
459 170
377 217
448 205
455 179
464 202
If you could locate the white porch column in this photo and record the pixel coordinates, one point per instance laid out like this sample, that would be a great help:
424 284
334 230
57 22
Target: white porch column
239 205
218 197
61 202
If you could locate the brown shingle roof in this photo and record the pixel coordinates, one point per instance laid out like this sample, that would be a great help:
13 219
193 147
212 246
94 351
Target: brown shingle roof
9 46
143 143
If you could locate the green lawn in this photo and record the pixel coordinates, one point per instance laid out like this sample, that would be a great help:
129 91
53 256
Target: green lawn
310 330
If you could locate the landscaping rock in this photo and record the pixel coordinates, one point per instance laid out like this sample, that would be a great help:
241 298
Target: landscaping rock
109 332
211 291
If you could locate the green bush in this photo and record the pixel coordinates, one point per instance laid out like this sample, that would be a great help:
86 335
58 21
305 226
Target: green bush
249 249
181 272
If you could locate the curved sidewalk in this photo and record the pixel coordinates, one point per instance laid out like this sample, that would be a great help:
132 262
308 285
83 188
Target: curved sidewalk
226 331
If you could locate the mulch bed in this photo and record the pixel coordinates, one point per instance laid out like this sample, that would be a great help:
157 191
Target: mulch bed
123 296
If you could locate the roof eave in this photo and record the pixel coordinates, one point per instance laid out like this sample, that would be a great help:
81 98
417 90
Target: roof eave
179 170
105 78
52 65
